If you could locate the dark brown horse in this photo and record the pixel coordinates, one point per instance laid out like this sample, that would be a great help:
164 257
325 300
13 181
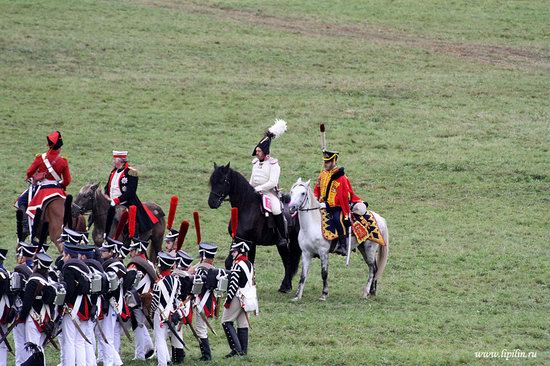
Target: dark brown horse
91 200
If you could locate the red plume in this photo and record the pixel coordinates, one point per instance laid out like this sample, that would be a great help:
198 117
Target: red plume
132 221
234 221
181 235
121 224
172 212
197 221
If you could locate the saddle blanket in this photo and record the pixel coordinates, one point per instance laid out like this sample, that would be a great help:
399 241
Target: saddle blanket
364 228
43 196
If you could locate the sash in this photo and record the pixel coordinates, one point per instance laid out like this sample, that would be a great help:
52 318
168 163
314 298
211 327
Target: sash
50 168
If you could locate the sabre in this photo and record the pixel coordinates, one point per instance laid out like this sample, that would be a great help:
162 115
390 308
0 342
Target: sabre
113 303
173 330
205 319
348 254
101 332
76 324
5 340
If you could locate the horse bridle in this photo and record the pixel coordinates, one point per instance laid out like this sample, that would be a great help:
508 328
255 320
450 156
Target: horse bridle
222 196
304 202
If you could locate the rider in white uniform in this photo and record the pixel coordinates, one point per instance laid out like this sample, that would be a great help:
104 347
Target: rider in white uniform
265 176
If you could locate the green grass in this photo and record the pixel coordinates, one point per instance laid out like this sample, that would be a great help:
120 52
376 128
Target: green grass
452 149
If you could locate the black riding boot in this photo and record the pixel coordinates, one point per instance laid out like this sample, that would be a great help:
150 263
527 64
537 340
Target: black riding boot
179 356
242 333
206 355
342 247
111 212
280 223
232 339
173 357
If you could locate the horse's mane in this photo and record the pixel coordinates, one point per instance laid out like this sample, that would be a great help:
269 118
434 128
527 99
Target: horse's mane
240 187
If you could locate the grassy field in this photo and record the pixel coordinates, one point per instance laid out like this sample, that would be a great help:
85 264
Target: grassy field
439 109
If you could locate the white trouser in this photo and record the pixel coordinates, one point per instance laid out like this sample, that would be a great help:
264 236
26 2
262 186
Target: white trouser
274 201
173 340
74 347
19 340
235 313
3 348
161 331
88 329
143 341
61 340
32 334
100 344
200 326
110 354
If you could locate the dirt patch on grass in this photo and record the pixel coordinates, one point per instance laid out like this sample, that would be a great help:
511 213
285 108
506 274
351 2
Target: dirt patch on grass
502 56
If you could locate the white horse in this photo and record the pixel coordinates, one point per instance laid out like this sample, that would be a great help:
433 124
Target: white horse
313 244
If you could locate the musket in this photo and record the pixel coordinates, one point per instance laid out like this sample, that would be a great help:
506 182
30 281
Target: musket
5 340
113 303
49 338
76 324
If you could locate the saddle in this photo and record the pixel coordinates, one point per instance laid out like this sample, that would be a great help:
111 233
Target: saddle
364 227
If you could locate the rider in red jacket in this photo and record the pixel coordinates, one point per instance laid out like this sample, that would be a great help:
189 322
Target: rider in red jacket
49 176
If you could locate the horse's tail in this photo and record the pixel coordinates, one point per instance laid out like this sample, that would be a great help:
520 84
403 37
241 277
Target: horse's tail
383 253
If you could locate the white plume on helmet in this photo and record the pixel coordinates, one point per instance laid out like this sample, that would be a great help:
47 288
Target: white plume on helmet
278 128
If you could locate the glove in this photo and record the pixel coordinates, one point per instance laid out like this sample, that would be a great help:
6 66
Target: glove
346 222
113 204
322 205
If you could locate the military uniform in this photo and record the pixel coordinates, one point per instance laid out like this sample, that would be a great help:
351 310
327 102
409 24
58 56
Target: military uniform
144 347
50 176
121 188
185 280
242 275
76 275
25 252
5 305
265 177
334 190
37 315
163 305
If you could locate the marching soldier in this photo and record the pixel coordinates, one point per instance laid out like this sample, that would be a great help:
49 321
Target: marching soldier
121 189
25 252
115 306
241 277
204 305
49 174
334 193
265 176
183 304
139 262
77 306
37 315
163 306
5 305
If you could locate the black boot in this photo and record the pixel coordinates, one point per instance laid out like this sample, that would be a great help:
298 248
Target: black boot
232 339
179 356
109 221
342 247
173 357
242 333
281 228
205 350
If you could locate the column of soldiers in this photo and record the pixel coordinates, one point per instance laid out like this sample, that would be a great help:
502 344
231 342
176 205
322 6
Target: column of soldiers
85 300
